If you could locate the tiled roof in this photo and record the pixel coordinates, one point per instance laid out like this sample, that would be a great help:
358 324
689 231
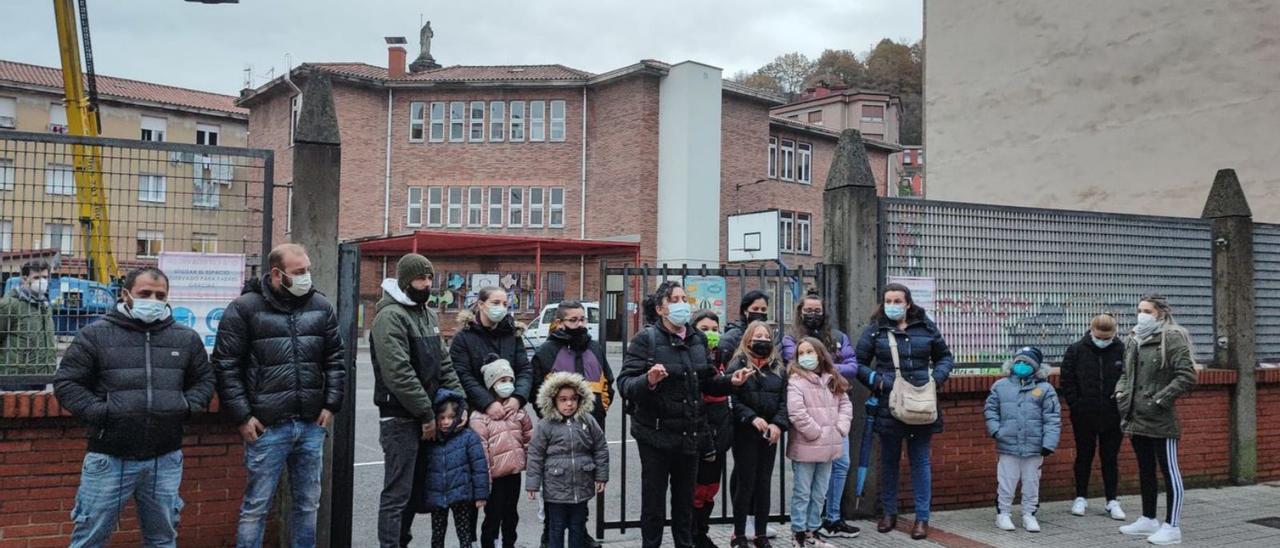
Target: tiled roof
460 73
121 88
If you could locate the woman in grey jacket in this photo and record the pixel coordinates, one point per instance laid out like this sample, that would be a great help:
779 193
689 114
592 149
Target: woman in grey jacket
568 457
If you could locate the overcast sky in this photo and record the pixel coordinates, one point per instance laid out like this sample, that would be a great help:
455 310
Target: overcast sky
208 46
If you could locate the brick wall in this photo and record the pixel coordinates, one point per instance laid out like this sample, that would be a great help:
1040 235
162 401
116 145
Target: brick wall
622 161
41 450
1268 424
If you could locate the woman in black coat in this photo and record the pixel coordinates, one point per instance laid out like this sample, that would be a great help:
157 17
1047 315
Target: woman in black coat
1090 369
491 334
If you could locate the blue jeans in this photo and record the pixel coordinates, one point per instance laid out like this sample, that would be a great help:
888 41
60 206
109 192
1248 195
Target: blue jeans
809 494
300 445
107 482
921 473
835 491
560 517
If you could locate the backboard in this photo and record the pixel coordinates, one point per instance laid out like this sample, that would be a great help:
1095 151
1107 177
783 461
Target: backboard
753 236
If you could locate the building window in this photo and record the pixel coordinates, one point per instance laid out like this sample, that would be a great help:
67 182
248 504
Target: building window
7 174
515 209
773 158
414 217
153 128
803 232
495 206
475 206
417 121
786 224
207 135
295 112
876 136
151 188
517 121
873 113
906 157
437 122
455 206
288 212
57 118
537 120
435 204
477 122
205 193
203 242
537 206
557 120
6 235
788 160
58 236
457 111
150 244
497 121
59 180
815 117
804 163
556 219
8 113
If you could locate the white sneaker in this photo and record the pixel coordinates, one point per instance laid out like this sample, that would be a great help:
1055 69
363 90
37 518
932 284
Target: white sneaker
750 528
769 532
1113 508
1078 507
1145 526
1167 534
1030 523
1003 521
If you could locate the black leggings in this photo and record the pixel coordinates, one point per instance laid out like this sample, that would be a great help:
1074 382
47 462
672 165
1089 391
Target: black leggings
1163 451
704 493
1103 436
753 459
500 513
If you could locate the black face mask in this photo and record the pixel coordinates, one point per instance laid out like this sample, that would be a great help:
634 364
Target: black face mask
578 336
757 317
416 295
813 322
761 348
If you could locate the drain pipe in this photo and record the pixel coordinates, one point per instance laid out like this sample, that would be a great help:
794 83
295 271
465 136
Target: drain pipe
582 203
386 180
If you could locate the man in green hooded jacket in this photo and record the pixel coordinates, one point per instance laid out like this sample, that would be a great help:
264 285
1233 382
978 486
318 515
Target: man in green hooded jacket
27 345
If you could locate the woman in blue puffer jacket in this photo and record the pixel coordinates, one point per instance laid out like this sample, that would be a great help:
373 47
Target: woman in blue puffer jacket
923 354
1025 418
457 473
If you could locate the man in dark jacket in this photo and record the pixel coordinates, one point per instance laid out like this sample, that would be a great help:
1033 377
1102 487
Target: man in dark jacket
280 376
1090 369
410 364
27 346
134 377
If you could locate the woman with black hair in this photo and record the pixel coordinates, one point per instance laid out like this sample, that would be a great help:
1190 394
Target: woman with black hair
711 465
812 320
665 373
902 339
754 307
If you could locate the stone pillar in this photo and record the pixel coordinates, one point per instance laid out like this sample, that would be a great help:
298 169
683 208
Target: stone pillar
317 162
1234 328
851 214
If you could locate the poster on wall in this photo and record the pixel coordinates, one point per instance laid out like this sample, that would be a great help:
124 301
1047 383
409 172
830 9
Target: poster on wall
203 275
923 291
706 293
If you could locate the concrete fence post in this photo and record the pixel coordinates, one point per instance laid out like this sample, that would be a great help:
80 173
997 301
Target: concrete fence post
851 219
1234 328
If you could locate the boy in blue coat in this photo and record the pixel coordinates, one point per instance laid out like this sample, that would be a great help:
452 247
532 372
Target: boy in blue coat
1024 417
457 474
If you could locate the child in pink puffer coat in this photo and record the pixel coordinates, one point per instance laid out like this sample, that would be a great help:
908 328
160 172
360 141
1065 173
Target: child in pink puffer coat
821 414
504 441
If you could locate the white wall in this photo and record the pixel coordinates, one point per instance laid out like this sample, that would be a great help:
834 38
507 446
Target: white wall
1127 106
689 165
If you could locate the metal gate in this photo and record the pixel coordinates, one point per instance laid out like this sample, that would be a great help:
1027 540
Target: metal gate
784 286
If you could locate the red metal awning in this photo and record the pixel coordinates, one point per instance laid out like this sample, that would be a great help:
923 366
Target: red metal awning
461 244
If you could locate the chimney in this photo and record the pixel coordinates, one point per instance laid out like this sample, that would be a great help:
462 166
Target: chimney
396 56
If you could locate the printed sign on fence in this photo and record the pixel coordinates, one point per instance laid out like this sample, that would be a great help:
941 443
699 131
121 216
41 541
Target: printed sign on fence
203 275
706 293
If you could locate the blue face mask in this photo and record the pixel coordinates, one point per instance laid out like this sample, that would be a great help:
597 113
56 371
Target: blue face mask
678 313
149 310
1102 343
895 312
1023 369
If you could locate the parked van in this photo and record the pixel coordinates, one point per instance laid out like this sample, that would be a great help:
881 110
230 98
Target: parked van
540 326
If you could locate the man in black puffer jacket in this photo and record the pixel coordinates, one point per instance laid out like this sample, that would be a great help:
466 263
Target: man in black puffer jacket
134 376
279 361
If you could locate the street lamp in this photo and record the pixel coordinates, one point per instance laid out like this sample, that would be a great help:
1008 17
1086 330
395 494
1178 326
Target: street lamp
738 187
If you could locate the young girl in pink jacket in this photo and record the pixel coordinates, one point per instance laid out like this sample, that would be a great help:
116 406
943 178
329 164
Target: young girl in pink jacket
820 412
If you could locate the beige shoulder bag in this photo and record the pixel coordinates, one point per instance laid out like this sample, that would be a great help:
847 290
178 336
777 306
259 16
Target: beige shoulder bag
911 404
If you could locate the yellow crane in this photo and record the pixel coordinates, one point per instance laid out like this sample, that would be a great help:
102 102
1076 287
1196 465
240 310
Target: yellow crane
83 120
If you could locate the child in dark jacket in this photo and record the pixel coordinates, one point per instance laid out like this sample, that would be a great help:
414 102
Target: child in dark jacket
760 411
458 475
1025 419
568 457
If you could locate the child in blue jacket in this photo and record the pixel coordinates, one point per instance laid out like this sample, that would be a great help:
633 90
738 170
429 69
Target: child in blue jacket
457 478
1024 417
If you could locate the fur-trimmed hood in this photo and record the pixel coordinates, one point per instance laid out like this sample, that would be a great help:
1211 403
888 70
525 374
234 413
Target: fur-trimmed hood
553 383
1042 373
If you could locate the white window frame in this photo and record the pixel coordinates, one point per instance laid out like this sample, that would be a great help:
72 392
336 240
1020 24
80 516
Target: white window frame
153 188
773 158
435 206
495 206
153 128
537 206
516 120
437 121
150 252
475 206
59 180
497 121
417 121
555 205
66 234
9 109
475 112
457 121
8 175
515 207
6 235
209 133
556 132
288 214
786 228
537 121
204 242
455 207
414 196
295 112
787 160
57 118
804 163
804 233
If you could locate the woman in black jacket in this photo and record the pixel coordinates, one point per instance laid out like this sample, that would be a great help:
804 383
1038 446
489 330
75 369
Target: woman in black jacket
760 416
491 334
754 307
1090 369
666 371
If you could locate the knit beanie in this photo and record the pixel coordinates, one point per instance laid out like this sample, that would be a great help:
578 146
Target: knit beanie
495 370
410 267
1029 354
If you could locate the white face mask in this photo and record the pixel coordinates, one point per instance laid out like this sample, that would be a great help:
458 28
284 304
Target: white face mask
40 286
496 313
149 310
504 389
808 361
301 284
